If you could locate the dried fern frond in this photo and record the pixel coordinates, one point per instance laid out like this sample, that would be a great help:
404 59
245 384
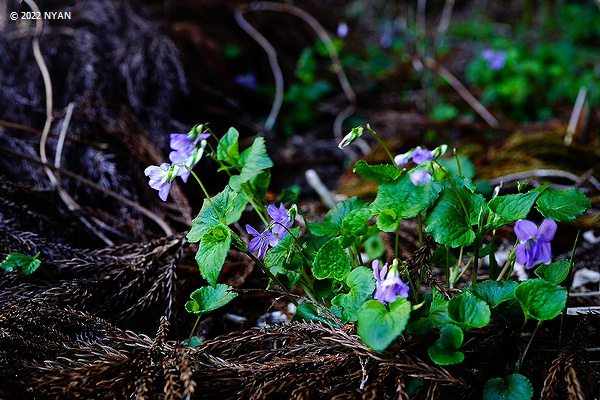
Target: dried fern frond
572 367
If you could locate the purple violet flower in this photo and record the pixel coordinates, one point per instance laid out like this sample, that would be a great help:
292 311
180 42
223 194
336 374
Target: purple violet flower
247 80
186 151
419 155
260 241
342 30
280 217
419 176
534 248
161 178
402 159
180 142
495 59
388 285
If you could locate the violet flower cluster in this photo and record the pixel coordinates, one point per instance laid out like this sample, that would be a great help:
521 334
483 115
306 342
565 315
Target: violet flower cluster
418 176
281 221
388 283
187 150
534 247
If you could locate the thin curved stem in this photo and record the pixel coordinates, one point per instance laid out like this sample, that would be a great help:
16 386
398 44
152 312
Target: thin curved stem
193 330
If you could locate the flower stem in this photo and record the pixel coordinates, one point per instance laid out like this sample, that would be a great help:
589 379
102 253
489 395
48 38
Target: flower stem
382 144
296 240
420 223
358 256
396 242
447 268
221 218
457 162
413 290
477 245
527 347
508 266
194 329
273 277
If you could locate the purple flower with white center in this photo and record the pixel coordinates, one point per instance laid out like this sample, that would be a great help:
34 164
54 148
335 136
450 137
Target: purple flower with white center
495 59
281 220
534 248
161 178
419 155
388 285
419 176
260 241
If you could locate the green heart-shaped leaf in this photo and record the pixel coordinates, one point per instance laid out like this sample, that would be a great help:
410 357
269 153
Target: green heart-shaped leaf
447 221
562 205
516 387
494 292
362 285
540 299
211 213
209 298
379 173
511 207
555 272
468 311
404 198
378 327
444 351
331 261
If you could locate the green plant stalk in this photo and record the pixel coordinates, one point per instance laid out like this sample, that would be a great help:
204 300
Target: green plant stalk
492 258
296 241
310 235
527 347
207 195
396 242
413 290
194 329
508 266
421 275
516 345
568 285
273 277
448 267
382 144
449 283
257 207
477 245
358 256
307 285
457 162
420 224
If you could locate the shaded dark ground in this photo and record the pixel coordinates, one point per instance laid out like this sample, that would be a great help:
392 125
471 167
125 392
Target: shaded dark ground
136 72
